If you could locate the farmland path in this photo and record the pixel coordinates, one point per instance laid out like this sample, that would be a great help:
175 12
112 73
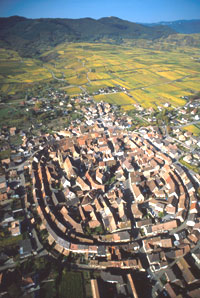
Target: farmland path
63 80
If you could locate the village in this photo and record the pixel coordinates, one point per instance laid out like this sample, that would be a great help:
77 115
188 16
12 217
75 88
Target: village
112 196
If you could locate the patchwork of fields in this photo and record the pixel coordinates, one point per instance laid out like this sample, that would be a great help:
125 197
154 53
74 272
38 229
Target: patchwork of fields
152 77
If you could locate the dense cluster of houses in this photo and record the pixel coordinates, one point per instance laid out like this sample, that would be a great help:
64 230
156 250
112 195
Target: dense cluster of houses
101 178
113 195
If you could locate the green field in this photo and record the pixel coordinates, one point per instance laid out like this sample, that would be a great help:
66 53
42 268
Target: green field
71 285
153 73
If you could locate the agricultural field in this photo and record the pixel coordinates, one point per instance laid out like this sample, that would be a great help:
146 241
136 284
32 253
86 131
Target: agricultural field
153 74
72 90
195 129
116 98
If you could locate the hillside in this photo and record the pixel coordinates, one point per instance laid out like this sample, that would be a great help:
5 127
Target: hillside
31 37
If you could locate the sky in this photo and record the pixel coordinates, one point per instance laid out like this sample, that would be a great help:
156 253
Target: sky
145 11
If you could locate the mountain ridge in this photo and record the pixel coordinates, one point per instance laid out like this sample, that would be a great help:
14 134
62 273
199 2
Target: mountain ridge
32 37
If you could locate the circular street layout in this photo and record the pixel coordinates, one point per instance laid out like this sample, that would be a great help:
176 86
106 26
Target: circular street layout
113 196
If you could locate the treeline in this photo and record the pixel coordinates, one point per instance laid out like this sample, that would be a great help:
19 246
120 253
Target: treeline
31 37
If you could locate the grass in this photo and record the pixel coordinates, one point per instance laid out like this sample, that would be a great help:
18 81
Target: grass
71 285
5 154
48 290
10 241
189 166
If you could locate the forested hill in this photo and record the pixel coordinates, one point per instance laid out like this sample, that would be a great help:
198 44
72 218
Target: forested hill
31 37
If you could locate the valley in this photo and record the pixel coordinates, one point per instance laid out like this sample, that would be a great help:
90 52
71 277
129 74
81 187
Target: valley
99 158
151 74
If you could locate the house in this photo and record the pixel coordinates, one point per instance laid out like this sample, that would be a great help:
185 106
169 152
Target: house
108 220
185 270
138 196
27 283
135 211
194 293
69 168
95 288
153 258
170 290
152 186
70 220
99 176
93 184
144 222
12 131
82 184
161 227
170 209
8 218
109 277
193 208
191 220
15 228
170 276
101 250
3 184
127 165
196 256
193 238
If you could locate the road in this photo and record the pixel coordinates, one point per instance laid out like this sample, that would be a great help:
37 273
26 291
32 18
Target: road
20 168
64 80
186 124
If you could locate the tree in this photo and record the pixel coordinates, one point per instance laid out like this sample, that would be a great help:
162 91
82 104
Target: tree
14 291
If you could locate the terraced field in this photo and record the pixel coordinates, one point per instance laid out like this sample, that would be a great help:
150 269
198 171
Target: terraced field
151 76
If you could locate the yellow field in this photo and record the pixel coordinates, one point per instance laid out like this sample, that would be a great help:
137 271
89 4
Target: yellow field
146 100
72 90
170 75
192 84
192 128
127 107
118 82
147 71
172 99
78 80
115 98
